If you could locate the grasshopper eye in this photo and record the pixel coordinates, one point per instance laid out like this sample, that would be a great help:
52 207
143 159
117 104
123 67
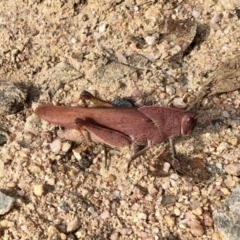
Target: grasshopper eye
188 123
190 120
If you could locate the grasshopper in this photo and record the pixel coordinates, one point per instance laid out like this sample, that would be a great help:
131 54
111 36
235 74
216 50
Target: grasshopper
120 126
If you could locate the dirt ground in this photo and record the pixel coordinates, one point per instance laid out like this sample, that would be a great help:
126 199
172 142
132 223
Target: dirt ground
130 52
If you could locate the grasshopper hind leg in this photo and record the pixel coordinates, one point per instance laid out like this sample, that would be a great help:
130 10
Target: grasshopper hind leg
85 95
105 135
102 134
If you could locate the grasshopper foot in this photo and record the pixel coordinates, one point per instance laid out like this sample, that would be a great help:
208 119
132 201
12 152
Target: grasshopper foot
175 164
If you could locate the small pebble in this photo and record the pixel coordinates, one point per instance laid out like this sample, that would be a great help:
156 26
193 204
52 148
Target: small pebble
196 229
205 102
47 136
222 146
84 192
190 99
34 169
3 138
51 181
189 216
63 236
124 231
52 231
84 31
167 13
166 185
6 203
219 165
105 214
73 172
153 191
136 8
91 210
55 146
155 230
177 212
169 220
195 189
12 97
216 18
84 163
230 181
208 220
176 49
179 103
162 95
38 189
142 215
66 146
174 176
85 17
225 114
136 94
228 156
102 28
6 224
145 235
197 211
109 178
77 152
116 194
114 236
216 100
234 141
195 14
81 233
170 90
216 236
20 47
233 169
67 88
73 40
73 225
150 40
225 191
166 167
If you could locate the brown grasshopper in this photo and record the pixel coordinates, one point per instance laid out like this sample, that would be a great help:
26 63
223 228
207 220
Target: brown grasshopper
121 126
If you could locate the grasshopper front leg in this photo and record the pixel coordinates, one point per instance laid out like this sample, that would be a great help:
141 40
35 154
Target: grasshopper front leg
175 163
103 134
138 154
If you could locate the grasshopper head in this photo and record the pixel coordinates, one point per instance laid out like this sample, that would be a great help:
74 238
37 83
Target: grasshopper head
188 123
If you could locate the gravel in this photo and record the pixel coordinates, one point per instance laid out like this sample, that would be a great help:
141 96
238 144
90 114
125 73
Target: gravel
135 52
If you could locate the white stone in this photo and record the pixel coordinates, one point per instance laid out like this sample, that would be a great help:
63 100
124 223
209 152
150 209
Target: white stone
150 40
102 28
195 14
179 103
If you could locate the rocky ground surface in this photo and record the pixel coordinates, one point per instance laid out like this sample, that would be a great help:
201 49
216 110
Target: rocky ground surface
129 52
